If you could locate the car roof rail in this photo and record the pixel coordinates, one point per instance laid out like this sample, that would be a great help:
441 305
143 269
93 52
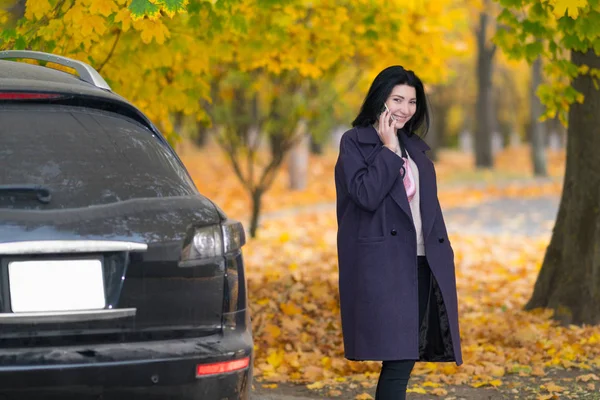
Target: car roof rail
86 72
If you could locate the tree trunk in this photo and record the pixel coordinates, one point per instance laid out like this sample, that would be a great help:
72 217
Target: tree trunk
16 11
298 159
569 281
439 121
484 125
538 134
201 136
316 147
256 205
178 120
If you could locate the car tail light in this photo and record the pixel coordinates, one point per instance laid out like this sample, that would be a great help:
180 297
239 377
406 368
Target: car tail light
222 367
28 96
211 242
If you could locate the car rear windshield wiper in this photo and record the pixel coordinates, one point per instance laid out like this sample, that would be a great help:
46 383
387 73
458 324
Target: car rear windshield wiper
42 193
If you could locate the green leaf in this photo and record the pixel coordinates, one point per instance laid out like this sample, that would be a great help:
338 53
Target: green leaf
573 42
534 28
270 3
533 50
20 43
369 20
371 34
588 27
538 12
173 5
508 17
141 8
512 3
8 34
194 7
239 23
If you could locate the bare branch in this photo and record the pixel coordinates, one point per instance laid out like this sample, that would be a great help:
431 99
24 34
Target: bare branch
111 52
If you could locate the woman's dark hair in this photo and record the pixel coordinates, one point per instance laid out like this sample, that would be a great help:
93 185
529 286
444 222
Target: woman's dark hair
380 90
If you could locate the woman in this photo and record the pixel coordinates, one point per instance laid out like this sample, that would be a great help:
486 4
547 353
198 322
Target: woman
397 281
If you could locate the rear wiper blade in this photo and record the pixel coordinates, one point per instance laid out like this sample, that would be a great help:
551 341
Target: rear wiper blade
42 193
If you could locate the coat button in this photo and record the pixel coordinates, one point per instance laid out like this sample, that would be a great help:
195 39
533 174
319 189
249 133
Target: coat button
441 240
394 232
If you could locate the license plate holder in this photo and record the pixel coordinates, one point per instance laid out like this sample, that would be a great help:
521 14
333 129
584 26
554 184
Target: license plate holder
43 285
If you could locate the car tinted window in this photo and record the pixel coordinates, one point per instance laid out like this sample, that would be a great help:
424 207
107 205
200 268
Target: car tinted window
84 157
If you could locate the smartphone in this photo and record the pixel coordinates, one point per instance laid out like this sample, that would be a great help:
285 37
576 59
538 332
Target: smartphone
388 110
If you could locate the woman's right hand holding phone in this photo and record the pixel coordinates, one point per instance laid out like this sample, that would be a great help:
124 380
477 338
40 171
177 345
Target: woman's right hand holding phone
387 131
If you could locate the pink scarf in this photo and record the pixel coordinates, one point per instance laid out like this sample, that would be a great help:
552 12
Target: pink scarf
409 180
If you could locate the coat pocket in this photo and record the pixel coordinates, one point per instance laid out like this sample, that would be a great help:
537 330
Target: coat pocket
374 274
370 239
371 225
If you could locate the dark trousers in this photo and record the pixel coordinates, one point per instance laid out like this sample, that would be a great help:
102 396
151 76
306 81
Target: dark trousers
394 375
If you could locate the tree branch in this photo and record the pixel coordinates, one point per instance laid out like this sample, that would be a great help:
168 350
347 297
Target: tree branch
111 52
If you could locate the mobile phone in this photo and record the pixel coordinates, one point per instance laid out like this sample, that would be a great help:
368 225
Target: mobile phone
388 110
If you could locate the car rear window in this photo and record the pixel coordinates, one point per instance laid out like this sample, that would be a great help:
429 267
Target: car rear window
85 157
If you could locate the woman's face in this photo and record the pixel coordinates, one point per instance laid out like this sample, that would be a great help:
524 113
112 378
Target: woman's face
402 103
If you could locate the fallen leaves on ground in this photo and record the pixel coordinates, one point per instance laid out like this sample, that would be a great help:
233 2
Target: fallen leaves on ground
292 275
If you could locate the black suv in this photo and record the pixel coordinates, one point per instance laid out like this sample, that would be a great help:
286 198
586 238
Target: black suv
117 277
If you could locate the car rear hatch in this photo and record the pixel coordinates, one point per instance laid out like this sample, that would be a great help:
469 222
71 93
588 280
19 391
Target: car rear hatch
98 217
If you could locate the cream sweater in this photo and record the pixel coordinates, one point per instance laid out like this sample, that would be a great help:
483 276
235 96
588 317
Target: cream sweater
415 208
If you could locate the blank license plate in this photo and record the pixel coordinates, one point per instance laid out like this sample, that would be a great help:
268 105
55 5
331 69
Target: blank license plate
56 285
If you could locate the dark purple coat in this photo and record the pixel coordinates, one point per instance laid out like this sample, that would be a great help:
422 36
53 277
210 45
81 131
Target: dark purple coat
377 255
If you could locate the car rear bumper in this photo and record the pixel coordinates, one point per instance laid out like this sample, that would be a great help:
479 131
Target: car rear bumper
159 369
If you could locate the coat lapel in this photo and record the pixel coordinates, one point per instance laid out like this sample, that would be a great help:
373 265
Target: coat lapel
368 135
416 148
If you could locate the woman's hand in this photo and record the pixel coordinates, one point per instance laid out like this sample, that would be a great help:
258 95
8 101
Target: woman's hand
387 132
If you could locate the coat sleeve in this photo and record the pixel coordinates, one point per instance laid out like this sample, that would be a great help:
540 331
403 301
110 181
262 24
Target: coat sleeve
368 181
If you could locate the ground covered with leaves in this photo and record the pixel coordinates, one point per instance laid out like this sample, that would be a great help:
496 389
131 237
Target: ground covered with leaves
292 277
292 272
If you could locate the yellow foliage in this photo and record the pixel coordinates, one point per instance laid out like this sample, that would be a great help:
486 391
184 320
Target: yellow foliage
37 9
571 6
124 17
152 29
103 7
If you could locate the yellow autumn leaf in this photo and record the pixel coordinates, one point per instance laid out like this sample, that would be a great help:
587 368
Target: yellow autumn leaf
363 396
270 386
284 237
152 29
37 9
545 396
586 378
273 330
416 389
262 302
103 7
93 24
275 358
75 15
552 387
290 309
316 385
571 6
439 392
124 17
